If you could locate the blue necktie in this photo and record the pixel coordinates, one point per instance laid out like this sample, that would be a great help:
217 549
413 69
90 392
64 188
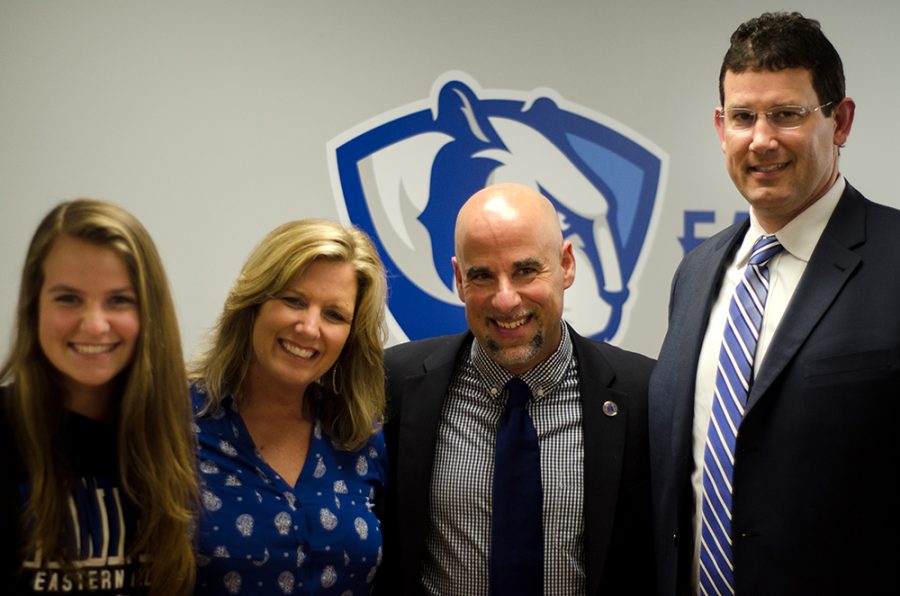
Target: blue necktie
733 380
517 529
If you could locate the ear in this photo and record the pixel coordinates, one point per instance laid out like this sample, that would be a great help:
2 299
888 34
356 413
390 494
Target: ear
457 273
568 264
843 120
720 126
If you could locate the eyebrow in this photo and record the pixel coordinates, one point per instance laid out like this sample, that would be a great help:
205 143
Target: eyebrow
473 271
349 307
531 262
63 288
788 104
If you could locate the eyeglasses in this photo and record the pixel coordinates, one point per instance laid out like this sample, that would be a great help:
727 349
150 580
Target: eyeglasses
783 117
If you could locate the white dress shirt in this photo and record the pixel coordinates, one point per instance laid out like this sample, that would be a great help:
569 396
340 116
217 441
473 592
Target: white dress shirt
799 238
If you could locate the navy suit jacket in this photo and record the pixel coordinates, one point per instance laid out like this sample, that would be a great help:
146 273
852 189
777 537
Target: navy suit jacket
817 456
618 537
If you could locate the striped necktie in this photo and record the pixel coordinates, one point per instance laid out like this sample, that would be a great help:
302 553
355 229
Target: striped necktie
733 380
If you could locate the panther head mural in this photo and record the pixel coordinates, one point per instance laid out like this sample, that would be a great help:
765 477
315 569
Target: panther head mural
402 177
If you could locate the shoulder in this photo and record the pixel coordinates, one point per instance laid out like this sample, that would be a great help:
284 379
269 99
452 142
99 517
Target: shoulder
214 425
435 358
695 268
603 365
852 199
427 346
204 405
865 227
8 443
618 359
5 410
366 464
712 246
407 358
10 494
879 215
199 398
376 453
373 448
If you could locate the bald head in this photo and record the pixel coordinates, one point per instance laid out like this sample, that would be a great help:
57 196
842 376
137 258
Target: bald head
508 204
512 267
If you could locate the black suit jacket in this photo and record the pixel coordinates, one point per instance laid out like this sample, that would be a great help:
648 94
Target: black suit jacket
817 459
618 547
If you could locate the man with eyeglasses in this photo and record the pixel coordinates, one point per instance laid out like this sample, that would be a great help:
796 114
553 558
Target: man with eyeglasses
773 407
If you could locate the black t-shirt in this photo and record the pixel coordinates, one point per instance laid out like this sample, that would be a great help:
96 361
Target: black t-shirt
101 520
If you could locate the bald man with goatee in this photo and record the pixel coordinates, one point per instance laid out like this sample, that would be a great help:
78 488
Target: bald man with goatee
518 449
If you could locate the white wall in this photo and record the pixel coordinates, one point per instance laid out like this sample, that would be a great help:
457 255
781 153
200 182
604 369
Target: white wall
209 120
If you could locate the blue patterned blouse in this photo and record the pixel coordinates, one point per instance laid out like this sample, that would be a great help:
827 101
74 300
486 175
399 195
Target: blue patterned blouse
259 535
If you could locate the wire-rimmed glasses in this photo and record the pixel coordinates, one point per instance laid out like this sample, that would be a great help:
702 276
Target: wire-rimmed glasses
783 117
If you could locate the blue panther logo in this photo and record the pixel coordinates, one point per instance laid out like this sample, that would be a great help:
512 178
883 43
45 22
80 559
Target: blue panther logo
402 176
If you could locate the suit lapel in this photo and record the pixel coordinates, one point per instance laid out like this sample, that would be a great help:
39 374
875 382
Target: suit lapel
828 270
604 443
423 398
707 280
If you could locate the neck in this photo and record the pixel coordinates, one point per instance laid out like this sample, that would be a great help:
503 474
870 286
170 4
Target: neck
91 402
264 399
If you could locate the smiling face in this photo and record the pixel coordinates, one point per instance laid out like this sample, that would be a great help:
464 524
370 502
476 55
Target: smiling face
88 320
511 269
781 172
299 334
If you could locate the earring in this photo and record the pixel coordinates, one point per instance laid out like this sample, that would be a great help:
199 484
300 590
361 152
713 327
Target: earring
334 370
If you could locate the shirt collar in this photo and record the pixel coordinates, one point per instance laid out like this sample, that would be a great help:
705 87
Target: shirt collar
800 235
542 379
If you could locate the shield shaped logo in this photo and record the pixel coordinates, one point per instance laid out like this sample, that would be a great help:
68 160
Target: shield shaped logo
402 176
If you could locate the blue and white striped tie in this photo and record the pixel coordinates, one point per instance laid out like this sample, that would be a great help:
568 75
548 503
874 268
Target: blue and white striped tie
733 379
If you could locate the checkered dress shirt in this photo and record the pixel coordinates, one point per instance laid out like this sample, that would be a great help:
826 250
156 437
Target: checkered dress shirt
458 538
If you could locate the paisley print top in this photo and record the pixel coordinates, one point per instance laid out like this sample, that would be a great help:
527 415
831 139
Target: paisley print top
259 535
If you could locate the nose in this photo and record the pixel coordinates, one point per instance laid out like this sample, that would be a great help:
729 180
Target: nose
94 320
308 322
763 136
507 298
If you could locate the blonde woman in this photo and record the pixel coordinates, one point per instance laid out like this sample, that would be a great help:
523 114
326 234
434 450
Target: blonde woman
289 398
100 485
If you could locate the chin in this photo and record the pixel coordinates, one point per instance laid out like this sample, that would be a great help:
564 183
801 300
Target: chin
514 357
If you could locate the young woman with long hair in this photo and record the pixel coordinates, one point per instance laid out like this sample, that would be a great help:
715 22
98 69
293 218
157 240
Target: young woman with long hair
95 416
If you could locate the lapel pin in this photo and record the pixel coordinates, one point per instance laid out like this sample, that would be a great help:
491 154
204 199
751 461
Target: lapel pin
610 408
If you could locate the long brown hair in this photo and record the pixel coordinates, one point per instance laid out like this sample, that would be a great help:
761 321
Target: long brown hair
156 445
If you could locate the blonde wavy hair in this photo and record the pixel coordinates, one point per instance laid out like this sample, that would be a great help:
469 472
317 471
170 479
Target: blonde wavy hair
353 389
156 445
